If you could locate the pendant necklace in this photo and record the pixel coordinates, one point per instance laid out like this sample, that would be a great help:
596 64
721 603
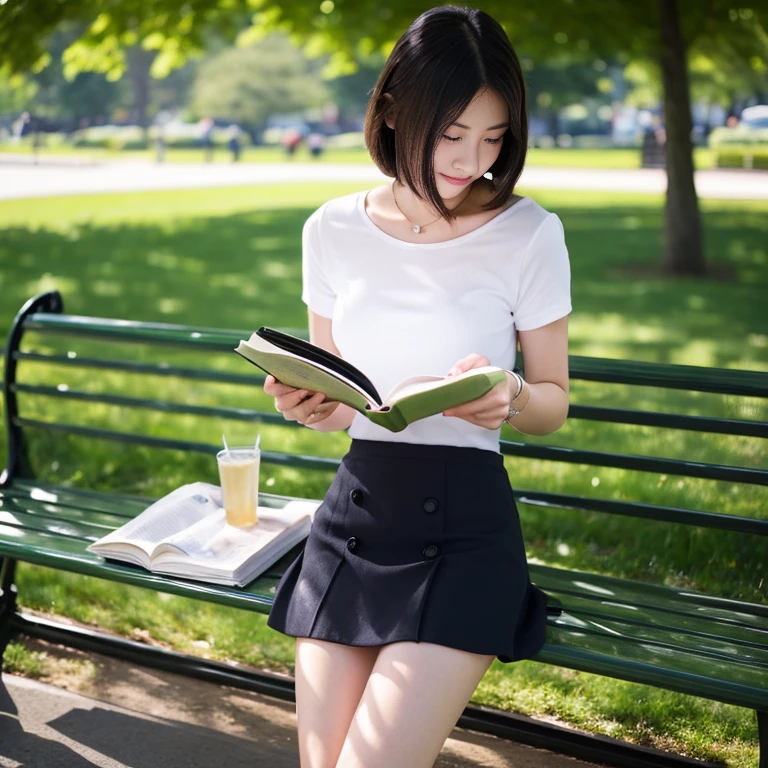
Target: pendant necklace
418 228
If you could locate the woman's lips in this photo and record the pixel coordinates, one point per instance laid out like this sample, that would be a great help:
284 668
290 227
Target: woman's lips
457 182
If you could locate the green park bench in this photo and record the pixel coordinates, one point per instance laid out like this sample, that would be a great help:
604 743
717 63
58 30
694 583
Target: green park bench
670 637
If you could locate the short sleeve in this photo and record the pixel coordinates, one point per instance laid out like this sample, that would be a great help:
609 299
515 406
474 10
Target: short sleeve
545 278
317 292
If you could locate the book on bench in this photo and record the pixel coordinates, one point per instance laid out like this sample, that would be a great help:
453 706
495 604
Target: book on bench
300 364
185 534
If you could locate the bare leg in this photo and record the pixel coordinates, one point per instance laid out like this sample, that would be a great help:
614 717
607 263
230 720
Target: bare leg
330 679
415 695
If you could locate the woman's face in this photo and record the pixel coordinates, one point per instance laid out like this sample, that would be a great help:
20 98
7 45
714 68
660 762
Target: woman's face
471 145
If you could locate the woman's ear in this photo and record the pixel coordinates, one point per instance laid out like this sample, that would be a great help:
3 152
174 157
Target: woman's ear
389 110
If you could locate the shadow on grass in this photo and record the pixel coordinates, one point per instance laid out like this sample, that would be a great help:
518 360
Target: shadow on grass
244 269
229 271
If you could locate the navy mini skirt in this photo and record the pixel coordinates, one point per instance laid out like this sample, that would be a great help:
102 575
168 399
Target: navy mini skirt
419 543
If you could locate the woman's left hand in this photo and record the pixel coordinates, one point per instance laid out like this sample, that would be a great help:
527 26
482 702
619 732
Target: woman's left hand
492 408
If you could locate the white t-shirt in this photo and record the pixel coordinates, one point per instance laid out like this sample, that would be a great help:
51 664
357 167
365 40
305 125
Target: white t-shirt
401 309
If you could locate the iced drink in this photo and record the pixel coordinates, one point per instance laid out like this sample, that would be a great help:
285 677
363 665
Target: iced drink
239 474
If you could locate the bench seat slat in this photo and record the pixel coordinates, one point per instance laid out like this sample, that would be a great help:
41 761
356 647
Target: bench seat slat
119 505
730 683
66 508
665 636
673 599
593 594
599 610
591 610
596 651
41 516
64 553
603 654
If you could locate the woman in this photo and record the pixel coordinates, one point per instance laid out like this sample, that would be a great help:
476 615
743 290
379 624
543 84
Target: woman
414 576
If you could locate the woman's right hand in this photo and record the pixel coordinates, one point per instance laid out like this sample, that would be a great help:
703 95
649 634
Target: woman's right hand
299 405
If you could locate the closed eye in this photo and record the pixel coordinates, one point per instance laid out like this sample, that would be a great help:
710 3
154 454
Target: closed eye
458 138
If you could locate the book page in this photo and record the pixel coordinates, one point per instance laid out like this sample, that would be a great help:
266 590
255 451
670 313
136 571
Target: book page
168 516
417 384
213 543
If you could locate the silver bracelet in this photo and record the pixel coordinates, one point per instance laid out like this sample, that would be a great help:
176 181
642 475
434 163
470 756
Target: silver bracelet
512 410
520 384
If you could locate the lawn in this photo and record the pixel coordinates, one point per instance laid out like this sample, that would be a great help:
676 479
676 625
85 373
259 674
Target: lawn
619 158
230 258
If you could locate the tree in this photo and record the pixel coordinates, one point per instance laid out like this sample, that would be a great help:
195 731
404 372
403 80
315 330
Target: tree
137 37
553 85
85 96
249 84
660 30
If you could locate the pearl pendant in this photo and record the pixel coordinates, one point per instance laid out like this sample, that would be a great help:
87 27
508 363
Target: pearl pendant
416 229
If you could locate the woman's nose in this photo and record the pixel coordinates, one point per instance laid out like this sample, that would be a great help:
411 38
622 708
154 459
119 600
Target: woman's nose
466 162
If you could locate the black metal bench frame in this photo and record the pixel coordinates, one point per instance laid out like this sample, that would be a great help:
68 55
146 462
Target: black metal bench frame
704 616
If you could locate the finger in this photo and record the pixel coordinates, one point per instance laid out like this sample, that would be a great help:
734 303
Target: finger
322 412
312 410
307 404
289 402
277 388
468 363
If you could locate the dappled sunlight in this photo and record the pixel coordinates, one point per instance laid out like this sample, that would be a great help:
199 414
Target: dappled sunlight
40 494
163 260
235 258
268 243
48 282
169 306
166 274
109 288
276 269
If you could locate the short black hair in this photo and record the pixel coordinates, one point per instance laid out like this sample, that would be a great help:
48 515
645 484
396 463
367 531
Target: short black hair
445 58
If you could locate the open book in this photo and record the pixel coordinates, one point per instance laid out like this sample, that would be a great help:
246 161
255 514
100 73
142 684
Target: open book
297 363
186 534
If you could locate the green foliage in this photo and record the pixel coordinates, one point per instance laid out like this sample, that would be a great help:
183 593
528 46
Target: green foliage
16 91
116 137
738 136
173 29
249 84
744 156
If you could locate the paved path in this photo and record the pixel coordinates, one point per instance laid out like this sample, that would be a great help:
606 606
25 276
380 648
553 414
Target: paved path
117 715
20 178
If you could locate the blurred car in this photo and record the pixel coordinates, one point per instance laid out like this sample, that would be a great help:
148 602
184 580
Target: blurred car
754 118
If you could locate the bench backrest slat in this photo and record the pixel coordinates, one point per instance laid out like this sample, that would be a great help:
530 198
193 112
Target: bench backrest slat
207 340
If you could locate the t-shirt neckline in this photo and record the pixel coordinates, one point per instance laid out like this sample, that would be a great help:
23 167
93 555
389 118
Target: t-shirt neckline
432 246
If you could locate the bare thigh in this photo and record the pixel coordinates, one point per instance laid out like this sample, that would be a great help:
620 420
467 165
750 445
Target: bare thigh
414 697
330 679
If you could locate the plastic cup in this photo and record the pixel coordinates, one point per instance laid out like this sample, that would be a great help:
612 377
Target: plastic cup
239 475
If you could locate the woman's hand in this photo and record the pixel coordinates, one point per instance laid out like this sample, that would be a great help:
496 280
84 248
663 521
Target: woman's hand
300 405
492 408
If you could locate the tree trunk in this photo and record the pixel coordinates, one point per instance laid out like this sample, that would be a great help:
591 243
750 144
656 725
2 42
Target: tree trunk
683 250
139 62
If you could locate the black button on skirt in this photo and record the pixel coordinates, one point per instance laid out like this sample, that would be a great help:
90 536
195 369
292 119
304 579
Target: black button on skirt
419 543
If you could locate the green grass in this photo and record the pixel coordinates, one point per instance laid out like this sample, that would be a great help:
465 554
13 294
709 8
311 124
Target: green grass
619 158
231 258
19 660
